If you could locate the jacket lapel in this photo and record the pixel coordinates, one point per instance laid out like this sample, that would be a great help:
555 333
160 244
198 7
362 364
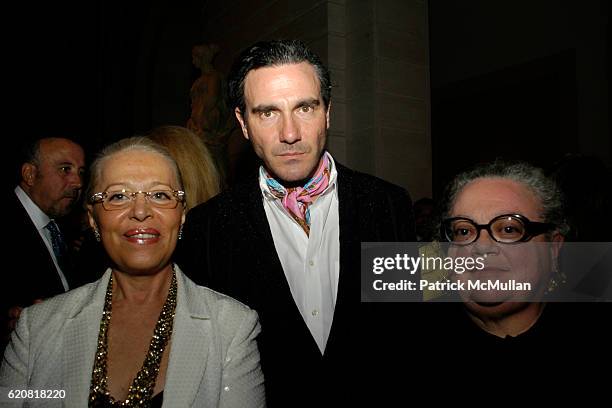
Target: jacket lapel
267 263
348 234
81 340
190 344
347 215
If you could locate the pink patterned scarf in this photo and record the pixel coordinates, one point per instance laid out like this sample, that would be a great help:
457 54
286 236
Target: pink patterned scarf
297 199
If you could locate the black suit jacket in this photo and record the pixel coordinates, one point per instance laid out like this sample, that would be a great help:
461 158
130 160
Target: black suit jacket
228 246
31 273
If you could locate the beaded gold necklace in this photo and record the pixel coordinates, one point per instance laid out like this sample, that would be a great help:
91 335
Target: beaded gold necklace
141 390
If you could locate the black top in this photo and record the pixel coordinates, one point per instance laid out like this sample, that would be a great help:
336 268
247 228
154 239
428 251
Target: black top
440 352
156 401
567 339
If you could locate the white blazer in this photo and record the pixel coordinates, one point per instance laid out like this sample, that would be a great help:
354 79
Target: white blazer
214 360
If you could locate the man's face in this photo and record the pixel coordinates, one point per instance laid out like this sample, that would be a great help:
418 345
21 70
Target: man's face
55 183
285 119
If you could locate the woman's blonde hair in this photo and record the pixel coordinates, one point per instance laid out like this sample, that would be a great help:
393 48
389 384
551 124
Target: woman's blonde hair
125 145
200 176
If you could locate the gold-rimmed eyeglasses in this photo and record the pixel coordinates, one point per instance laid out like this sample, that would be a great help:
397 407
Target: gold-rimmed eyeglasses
121 199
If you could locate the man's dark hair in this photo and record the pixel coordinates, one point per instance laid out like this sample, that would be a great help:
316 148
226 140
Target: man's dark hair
274 53
28 151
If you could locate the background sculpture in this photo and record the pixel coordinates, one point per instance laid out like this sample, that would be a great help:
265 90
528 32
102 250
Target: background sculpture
210 118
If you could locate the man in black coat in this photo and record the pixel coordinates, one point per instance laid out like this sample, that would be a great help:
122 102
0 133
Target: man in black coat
286 242
50 183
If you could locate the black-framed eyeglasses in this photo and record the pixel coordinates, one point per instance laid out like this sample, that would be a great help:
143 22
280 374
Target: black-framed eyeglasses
507 229
121 199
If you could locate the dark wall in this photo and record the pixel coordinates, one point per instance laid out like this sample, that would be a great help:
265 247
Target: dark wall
526 112
146 64
98 71
519 80
51 86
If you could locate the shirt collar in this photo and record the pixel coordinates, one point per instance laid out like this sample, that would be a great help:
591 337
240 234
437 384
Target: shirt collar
267 194
38 217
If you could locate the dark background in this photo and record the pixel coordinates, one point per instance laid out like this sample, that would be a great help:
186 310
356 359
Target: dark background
518 80
90 70
508 79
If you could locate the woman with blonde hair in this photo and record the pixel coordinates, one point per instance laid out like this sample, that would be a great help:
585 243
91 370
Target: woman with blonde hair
144 334
200 175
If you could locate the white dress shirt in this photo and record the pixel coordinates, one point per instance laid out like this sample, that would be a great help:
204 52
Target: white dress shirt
40 220
311 263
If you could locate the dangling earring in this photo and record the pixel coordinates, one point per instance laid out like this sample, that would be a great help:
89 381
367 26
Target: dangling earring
557 279
180 234
97 235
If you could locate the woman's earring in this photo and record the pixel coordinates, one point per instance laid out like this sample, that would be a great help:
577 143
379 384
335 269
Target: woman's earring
558 279
180 234
97 235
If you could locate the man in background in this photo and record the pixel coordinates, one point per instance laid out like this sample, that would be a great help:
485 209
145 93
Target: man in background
50 183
